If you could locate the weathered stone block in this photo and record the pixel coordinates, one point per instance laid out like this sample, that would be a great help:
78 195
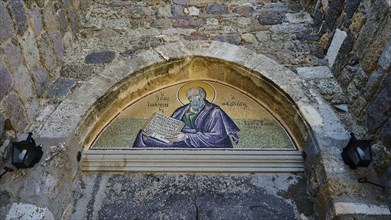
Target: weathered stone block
32 108
351 7
15 111
100 57
374 51
30 50
318 20
271 19
120 4
373 84
357 21
163 23
344 54
232 38
195 36
368 31
5 80
36 20
333 13
263 36
295 7
93 24
49 20
288 28
308 37
67 40
153 2
356 85
1 124
13 56
347 75
386 136
164 11
302 17
366 210
335 46
177 11
385 58
61 87
277 7
116 24
245 11
210 22
19 15
6 24
183 23
329 89
358 106
181 2
194 11
28 211
62 21
23 84
249 37
77 72
378 110
217 9
41 80
73 20
314 72
46 51
178 31
58 45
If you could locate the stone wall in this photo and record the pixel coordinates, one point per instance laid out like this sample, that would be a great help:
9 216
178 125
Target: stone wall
34 35
48 46
280 30
357 37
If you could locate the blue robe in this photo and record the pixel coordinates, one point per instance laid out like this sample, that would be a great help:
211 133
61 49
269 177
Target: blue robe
212 129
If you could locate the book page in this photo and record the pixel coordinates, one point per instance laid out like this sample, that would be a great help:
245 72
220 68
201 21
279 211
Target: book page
161 127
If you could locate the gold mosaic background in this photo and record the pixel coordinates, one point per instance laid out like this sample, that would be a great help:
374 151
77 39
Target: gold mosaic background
258 129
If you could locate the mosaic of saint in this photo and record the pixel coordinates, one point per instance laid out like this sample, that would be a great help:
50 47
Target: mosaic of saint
195 114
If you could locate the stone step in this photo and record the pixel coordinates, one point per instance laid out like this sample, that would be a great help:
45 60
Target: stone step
193 161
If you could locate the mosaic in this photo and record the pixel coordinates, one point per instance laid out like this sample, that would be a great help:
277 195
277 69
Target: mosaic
195 114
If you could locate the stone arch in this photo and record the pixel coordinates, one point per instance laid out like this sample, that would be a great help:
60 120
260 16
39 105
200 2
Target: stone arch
309 120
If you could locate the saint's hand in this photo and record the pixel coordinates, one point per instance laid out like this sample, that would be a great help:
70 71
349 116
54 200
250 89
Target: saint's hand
178 136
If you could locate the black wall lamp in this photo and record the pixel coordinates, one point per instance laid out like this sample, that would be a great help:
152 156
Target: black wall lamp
24 154
357 153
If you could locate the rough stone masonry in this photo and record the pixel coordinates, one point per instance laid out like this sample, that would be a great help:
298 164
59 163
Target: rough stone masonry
49 48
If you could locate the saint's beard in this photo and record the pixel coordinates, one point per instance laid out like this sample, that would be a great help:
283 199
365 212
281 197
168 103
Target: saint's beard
197 105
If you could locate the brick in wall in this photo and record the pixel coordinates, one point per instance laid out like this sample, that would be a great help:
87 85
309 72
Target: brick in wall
380 108
19 15
6 24
5 80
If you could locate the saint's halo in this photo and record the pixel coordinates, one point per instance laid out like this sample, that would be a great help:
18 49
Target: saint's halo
210 91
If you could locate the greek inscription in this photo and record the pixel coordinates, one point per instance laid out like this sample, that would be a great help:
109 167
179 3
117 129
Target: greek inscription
237 103
160 102
257 124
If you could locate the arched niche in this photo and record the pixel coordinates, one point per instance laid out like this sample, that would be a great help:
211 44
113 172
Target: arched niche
310 121
258 129
174 72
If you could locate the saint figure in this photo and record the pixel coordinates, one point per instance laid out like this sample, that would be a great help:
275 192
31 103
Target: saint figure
206 125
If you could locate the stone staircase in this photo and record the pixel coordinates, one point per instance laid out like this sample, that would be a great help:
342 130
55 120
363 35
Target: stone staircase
193 161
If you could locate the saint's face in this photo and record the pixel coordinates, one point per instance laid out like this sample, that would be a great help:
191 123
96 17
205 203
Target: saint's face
195 98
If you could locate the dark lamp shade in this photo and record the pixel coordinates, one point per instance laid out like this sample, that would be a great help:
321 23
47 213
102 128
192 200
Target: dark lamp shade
25 154
357 153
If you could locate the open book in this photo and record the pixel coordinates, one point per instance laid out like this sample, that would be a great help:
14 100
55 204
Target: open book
161 127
